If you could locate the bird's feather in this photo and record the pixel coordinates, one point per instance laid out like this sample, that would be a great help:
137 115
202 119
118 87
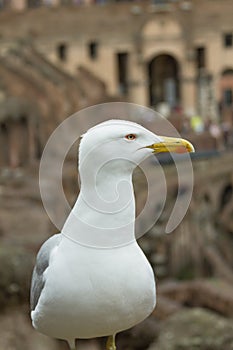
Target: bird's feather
42 262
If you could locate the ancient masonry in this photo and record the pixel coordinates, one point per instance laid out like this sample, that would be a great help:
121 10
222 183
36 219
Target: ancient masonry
174 52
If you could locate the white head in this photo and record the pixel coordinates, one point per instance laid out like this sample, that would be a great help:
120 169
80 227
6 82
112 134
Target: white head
126 144
108 154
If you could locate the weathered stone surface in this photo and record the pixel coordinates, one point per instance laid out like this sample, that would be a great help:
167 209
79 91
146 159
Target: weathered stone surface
213 294
16 332
194 329
15 274
140 336
165 307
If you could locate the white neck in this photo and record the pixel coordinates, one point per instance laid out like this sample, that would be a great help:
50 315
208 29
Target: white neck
104 213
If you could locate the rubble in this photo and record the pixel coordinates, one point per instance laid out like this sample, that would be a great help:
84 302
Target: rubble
195 329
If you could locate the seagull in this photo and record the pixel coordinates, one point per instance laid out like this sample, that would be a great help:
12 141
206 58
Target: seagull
93 279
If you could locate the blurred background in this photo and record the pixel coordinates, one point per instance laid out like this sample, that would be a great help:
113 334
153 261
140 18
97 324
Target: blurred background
60 56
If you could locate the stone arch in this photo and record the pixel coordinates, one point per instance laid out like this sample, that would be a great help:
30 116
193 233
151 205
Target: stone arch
164 84
18 133
226 94
226 86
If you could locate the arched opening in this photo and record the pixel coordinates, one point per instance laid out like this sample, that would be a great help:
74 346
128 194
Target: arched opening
17 142
227 88
163 73
226 196
4 151
226 96
20 134
62 52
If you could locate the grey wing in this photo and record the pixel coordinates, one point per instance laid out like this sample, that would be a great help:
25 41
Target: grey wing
42 262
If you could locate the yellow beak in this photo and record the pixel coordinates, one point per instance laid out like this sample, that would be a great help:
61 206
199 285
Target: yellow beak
172 144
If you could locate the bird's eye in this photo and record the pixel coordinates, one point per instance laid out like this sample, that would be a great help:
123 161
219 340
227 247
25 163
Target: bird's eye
130 137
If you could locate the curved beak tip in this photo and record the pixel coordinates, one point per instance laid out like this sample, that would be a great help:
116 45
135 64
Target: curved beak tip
173 145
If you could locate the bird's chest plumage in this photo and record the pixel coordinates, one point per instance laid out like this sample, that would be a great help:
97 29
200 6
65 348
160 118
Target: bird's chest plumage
99 293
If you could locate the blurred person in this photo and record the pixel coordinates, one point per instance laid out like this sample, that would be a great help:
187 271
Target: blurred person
216 133
186 126
197 124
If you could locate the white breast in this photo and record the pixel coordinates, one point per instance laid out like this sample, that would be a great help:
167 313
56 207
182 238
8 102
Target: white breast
94 292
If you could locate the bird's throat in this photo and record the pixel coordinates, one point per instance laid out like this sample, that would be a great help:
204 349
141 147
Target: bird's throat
104 213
